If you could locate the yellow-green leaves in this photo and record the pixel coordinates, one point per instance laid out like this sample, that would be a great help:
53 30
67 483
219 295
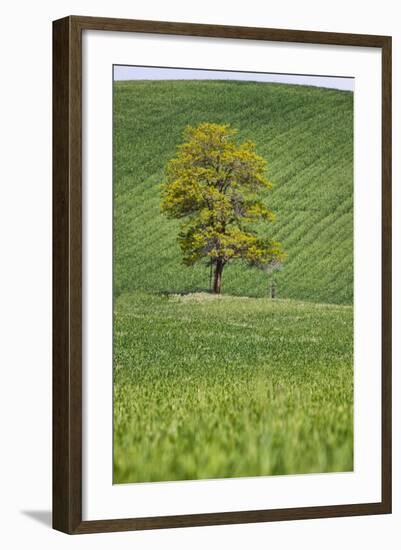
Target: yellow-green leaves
214 182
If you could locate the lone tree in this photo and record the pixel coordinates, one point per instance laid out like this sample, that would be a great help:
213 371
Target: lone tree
213 184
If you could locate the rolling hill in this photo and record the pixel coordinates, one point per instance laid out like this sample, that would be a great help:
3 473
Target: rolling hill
305 134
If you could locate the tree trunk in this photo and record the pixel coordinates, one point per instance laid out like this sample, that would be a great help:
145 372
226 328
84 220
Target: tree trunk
217 276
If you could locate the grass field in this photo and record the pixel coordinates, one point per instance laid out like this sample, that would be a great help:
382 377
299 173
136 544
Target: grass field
210 387
236 385
305 134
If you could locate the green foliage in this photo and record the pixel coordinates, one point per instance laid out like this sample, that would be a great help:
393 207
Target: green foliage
306 134
213 182
210 387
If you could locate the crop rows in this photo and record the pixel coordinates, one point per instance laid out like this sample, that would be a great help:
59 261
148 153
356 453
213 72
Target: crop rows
306 135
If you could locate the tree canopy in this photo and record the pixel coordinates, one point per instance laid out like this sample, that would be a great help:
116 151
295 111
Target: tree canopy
215 184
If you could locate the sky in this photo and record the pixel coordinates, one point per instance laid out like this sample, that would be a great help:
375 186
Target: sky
125 72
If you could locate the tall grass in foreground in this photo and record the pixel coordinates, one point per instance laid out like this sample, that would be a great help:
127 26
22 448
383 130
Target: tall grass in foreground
208 387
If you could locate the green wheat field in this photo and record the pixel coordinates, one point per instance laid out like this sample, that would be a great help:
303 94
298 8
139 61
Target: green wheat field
239 384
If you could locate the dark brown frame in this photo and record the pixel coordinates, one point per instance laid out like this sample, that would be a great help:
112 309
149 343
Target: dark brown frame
67 277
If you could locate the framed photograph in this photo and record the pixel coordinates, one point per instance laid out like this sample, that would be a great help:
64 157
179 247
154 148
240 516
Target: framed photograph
222 274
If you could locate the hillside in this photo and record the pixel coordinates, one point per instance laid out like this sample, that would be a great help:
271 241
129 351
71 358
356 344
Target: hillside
305 134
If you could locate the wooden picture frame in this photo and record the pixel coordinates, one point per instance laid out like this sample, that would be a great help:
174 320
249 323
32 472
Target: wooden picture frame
67 274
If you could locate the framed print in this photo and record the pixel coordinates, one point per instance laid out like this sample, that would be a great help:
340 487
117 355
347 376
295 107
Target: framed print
221 274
